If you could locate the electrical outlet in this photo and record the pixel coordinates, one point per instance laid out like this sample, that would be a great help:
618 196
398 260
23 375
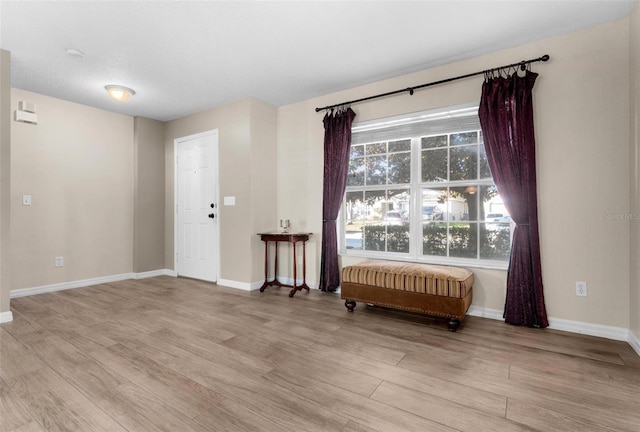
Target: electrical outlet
581 288
59 261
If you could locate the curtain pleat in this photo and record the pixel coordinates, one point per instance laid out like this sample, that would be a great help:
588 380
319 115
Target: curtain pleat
506 117
337 146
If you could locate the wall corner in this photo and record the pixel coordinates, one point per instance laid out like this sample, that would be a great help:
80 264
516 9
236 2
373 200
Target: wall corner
5 186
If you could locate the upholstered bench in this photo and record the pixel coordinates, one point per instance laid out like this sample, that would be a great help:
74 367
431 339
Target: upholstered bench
441 291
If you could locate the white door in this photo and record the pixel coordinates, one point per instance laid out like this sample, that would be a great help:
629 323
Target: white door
197 206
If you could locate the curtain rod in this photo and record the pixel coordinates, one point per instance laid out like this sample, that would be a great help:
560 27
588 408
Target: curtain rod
521 64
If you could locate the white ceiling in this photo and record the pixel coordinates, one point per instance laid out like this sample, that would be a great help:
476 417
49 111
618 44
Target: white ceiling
182 57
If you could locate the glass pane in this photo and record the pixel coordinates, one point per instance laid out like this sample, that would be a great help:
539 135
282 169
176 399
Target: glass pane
495 241
434 141
399 168
463 240
396 146
461 204
386 226
485 172
492 208
353 239
434 238
451 204
464 163
354 213
356 172
373 228
433 200
374 205
398 237
354 208
463 138
434 165
376 172
377 148
495 233
357 150
374 237
397 206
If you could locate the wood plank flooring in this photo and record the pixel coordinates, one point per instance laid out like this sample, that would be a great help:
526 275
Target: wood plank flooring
172 354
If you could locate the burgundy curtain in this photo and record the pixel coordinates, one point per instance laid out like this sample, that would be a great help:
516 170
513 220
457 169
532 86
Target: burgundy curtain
506 117
337 145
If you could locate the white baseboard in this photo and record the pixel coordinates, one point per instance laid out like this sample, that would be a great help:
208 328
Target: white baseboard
6 317
603 331
245 286
634 341
154 273
608 332
22 292
485 312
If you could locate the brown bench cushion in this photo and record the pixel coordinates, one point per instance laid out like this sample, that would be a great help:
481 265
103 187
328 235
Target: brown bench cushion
430 279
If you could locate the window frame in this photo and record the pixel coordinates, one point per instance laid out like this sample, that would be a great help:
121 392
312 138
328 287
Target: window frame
416 187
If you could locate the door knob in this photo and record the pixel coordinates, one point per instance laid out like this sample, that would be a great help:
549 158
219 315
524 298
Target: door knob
211 215
213 205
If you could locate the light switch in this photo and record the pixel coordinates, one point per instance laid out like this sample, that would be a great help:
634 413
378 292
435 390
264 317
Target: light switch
26 200
229 200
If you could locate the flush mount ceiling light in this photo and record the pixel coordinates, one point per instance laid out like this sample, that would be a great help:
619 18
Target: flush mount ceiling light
119 93
72 52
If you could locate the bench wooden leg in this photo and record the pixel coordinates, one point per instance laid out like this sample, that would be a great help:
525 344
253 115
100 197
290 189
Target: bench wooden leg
350 305
454 324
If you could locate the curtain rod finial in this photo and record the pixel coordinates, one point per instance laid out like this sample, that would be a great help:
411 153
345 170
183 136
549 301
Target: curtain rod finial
545 58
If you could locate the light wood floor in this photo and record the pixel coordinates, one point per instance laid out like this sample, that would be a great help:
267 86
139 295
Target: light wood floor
167 354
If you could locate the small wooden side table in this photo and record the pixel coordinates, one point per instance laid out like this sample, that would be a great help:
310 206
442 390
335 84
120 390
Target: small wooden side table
290 238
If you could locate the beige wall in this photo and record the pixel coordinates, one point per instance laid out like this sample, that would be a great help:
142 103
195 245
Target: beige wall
582 129
263 174
5 182
148 228
246 163
299 179
634 94
77 164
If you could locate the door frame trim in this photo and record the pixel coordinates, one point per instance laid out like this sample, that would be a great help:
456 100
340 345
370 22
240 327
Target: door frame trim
176 142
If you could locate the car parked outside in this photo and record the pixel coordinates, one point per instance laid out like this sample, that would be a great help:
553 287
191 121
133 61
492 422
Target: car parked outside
394 218
498 221
431 212
494 217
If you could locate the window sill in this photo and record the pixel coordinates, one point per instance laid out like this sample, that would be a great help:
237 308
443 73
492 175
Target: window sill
486 264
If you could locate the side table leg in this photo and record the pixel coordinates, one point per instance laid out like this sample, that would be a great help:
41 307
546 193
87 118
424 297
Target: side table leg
295 288
266 266
275 268
304 268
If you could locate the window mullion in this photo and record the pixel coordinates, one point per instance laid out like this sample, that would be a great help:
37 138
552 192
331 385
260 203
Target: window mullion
415 219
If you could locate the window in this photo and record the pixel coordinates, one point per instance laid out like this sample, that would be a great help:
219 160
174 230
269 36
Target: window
420 188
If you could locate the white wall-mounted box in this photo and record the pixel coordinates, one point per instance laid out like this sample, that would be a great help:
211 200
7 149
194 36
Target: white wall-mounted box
26 117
